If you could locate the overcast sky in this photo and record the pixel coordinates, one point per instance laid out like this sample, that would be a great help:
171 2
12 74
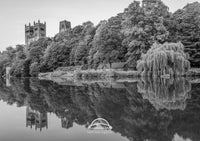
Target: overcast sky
14 14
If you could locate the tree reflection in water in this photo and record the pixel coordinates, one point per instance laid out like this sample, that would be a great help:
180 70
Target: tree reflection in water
152 110
165 93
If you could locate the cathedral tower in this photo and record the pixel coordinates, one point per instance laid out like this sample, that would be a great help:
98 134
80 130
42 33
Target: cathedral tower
64 26
34 32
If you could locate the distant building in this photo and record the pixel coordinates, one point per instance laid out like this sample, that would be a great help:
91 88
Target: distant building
37 119
34 32
66 123
64 26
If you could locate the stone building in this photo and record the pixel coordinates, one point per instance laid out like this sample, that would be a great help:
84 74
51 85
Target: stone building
35 118
34 32
64 26
66 123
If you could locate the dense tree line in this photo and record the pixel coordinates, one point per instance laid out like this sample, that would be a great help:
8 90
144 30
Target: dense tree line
121 38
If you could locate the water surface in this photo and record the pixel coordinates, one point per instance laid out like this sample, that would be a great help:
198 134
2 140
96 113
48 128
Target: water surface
144 110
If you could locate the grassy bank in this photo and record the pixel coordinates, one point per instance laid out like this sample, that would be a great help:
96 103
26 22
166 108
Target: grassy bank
103 74
90 74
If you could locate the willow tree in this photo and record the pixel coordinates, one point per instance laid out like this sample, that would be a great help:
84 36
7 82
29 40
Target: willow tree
164 59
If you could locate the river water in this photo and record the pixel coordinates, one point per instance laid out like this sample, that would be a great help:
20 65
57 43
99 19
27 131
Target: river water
140 110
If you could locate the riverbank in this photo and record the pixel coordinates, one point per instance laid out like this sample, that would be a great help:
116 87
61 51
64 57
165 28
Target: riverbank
103 74
99 75
112 82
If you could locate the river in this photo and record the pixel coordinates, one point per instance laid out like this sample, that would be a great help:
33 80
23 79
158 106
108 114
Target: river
141 110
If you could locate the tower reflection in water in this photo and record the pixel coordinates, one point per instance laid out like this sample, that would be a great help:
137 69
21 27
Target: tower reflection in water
37 119
147 109
66 123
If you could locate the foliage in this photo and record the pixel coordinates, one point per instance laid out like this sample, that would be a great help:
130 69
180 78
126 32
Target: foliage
26 68
12 57
106 45
17 68
57 55
20 54
164 59
41 43
4 61
142 27
184 26
120 39
81 54
34 69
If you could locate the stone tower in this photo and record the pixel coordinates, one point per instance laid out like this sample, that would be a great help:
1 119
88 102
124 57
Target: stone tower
64 26
34 32
36 118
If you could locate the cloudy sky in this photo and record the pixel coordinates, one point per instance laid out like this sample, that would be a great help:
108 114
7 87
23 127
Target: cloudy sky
14 14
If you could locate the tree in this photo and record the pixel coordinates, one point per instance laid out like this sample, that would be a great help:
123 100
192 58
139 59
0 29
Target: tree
79 54
162 59
20 54
36 49
57 55
34 69
106 45
142 26
17 68
42 42
4 62
155 7
184 26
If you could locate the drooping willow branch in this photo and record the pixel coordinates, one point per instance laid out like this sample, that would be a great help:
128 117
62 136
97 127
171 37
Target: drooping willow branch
164 59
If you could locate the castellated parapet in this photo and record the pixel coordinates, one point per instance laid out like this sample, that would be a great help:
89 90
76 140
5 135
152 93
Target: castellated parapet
34 32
